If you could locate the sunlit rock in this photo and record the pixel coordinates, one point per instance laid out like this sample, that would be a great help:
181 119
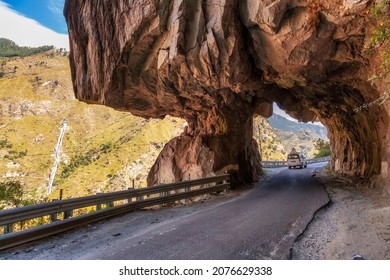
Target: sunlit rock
218 63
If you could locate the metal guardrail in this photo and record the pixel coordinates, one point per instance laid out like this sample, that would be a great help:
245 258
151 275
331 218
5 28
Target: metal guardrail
142 199
274 163
315 160
283 163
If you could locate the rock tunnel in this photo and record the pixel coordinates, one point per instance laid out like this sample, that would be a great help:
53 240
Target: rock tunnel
218 63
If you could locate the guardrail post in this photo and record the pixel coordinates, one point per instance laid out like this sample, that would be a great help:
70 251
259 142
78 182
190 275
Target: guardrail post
8 228
162 194
130 199
98 206
187 200
225 182
68 214
53 216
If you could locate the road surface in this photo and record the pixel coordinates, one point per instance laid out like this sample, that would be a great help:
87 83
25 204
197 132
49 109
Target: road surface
261 224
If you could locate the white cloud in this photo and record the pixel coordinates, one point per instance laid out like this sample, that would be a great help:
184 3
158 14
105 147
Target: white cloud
28 32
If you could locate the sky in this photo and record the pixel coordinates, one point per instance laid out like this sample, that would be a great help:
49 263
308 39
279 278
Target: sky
34 23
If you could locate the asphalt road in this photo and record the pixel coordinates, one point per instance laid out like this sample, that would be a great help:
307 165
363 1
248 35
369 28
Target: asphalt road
262 224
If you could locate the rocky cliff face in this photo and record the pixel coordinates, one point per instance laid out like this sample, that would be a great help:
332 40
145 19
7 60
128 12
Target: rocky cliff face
217 63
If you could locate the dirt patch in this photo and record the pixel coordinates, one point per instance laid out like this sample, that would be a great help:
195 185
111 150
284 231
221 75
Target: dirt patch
356 222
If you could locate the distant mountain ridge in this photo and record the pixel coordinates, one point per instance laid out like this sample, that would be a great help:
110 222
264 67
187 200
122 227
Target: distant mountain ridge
281 123
9 48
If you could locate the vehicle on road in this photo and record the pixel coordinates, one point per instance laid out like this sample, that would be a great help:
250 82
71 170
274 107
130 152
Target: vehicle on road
296 159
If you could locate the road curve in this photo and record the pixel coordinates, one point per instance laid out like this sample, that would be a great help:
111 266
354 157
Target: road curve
262 224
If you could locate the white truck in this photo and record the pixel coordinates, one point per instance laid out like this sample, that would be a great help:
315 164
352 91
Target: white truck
295 159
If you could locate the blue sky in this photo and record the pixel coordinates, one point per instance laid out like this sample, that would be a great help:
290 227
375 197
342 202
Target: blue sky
49 13
34 23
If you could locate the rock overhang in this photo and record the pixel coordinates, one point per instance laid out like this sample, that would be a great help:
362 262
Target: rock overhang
219 63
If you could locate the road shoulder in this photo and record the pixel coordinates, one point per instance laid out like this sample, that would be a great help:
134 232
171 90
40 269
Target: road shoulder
356 222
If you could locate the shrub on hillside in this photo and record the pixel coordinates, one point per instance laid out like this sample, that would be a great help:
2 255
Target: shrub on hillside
12 195
322 147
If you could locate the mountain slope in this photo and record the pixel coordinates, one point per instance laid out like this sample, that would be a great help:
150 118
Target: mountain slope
270 144
108 146
276 143
279 122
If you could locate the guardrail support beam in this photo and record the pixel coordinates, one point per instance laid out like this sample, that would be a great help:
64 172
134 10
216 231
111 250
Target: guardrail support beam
8 228
187 200
68 214
53 217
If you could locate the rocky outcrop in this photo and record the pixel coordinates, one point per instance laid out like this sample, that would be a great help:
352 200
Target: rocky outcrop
217 63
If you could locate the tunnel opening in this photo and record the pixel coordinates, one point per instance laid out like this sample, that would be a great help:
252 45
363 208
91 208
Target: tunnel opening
352 127
279 134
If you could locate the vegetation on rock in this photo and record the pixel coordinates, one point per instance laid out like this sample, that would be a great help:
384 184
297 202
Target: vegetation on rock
379 45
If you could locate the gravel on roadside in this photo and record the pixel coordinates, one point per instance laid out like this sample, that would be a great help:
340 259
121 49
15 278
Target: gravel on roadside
355 223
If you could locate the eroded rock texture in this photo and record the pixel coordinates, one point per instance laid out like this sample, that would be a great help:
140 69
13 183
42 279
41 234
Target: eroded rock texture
217 63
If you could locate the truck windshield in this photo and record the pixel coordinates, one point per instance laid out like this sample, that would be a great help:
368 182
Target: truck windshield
293 156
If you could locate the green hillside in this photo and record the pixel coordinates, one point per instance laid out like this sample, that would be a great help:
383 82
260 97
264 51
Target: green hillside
270 145
9 48
302 141
276 143
103 150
